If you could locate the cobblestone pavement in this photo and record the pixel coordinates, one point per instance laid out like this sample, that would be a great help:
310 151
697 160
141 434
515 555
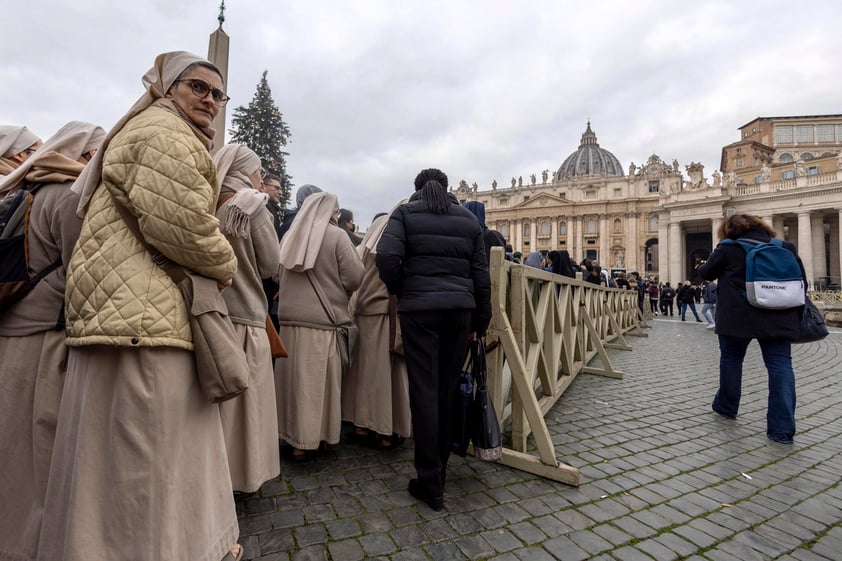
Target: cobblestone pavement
662 476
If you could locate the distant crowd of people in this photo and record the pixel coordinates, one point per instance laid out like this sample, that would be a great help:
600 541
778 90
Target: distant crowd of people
112 450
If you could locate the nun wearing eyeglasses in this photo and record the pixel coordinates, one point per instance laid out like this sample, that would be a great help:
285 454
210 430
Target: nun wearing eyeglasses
139 469
32 349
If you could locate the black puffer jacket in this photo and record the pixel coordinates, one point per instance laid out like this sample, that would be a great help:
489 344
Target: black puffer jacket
687 295
436 262
734 315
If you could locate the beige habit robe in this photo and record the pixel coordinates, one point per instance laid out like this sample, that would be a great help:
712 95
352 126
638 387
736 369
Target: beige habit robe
32 349
309 382
139 468
375 391
249 421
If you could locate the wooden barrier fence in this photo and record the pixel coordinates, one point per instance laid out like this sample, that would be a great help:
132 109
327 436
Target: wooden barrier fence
545 330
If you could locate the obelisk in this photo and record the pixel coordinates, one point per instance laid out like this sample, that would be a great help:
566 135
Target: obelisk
218 54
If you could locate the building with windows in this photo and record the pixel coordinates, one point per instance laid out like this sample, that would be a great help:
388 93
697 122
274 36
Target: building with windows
656 221
784 148
588 206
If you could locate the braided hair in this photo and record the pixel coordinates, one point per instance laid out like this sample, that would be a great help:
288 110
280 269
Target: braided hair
432 184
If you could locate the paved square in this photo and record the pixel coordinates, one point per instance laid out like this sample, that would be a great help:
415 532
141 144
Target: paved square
663 477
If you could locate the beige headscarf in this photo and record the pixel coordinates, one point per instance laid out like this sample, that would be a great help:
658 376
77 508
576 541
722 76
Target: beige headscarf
375 232
56 161
301 244
13 141
234 164
157 81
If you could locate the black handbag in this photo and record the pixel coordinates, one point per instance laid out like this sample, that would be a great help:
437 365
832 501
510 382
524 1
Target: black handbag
461 410
813 327
488 444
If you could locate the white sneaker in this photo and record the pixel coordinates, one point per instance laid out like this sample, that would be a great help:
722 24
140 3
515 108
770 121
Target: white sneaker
710 326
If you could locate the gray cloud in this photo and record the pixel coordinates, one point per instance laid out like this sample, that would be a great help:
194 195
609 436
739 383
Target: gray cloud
375 90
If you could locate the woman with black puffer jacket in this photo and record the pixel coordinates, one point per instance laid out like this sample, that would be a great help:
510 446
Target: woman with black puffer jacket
432 257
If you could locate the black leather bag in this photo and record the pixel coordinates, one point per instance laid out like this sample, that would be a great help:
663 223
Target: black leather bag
462 408
813 327
488 443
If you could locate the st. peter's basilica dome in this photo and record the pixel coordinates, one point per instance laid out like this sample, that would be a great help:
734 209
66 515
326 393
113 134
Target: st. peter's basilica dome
590 159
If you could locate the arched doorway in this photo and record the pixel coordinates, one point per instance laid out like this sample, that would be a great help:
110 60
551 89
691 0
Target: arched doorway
697 257
650 257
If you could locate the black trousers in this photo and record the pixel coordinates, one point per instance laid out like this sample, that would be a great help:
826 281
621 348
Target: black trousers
435 344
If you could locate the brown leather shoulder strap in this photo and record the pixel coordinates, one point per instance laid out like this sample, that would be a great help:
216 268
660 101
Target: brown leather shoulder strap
176 272
224 199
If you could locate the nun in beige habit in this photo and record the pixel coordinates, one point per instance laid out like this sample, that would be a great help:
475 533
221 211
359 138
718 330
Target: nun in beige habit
375 391
32 349
250 421
316 258
16 145
139 468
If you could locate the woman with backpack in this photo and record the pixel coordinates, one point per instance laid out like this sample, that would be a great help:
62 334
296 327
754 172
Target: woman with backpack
32 348
667 296
738 322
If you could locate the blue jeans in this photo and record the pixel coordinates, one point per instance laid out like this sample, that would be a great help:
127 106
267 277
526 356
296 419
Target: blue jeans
706 308
777 356
692 309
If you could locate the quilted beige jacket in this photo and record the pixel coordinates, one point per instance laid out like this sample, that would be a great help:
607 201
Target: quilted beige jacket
159 169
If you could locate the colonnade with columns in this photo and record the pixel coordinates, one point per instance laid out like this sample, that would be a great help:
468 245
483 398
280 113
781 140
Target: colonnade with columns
575 236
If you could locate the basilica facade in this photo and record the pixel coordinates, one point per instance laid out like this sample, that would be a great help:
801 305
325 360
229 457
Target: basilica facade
662 222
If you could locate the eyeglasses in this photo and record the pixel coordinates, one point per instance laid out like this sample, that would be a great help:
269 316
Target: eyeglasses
201 89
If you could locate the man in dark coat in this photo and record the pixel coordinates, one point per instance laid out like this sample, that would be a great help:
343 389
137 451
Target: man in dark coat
271 185
432 257
300 196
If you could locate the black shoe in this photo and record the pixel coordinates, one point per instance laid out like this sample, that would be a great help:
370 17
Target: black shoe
417 491
780 438
726 415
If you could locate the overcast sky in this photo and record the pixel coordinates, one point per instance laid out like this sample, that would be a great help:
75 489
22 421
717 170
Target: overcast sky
374 91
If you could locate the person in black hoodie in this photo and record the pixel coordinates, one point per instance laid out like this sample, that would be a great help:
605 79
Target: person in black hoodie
562 264
738 322
491 238
432 257
300 196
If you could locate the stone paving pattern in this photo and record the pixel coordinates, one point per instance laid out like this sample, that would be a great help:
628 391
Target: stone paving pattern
663 477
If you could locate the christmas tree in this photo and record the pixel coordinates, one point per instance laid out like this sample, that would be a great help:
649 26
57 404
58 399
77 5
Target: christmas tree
261 127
